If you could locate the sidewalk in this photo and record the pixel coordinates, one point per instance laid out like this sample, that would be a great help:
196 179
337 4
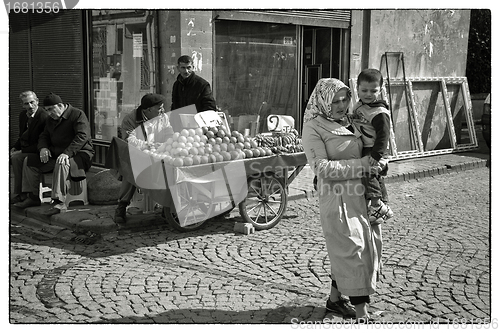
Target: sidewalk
78 220
403 170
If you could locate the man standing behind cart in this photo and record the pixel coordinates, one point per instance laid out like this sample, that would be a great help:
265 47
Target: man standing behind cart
189 89
138 126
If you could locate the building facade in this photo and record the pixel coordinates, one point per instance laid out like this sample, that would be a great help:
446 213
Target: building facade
258 62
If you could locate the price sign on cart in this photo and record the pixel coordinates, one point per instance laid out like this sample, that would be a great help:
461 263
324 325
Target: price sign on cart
211 118
280 123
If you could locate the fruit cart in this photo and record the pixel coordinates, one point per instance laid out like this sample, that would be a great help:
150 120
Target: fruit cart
193 194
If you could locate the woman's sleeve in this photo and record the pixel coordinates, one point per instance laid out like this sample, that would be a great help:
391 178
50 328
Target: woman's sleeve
315 151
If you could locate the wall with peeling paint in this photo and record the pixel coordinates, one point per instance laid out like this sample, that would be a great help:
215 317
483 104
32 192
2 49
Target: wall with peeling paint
196 41
434 42
356 42
184 33
170 50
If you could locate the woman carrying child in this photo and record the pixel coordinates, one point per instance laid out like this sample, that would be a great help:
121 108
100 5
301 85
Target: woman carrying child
333 149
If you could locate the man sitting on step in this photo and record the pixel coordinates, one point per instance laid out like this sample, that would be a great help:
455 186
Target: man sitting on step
149 120
31 124
65 148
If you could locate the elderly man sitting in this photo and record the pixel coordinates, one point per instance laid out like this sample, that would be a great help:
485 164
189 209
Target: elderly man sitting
65 148
31 124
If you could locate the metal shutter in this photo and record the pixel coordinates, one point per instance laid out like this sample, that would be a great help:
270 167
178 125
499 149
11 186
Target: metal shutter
45 55
58 56
323 18
19 69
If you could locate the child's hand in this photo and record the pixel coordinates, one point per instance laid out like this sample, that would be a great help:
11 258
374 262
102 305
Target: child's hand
373 162
377 166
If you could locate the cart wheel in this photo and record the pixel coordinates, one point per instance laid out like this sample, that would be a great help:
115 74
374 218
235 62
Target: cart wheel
173 221
265 203
192 208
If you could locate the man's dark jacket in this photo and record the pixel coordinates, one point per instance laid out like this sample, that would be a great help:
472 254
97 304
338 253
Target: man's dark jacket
28 136
70 134
193 90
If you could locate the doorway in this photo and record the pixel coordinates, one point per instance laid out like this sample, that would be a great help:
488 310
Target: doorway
323 50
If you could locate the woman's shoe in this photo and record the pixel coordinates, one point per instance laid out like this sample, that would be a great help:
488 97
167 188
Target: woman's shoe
341 307
365 320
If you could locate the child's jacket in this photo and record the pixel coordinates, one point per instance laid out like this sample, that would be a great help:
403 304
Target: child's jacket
373 121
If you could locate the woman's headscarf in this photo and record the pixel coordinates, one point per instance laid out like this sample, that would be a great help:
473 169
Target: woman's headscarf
320 102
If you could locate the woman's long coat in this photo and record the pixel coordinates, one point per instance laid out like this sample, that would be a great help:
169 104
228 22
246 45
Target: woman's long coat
333 152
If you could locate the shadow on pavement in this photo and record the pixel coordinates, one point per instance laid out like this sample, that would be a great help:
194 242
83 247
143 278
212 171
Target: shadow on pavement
291 315
109 244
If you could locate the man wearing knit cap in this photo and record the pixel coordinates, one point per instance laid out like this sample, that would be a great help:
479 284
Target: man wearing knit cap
31 124
65 148
138 127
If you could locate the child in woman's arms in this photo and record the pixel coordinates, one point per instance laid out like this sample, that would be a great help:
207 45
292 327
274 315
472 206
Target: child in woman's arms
371 116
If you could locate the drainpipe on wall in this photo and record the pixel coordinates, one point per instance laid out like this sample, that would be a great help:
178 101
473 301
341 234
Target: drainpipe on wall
149 26
365 44
156 54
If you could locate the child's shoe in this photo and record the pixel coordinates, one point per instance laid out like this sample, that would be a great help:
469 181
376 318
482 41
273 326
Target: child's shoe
379 214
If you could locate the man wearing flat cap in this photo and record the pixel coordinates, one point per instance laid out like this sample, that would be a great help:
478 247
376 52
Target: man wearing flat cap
65 148
142 126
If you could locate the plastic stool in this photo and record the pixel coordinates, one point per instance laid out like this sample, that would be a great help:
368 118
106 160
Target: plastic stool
77 192
45 188
142 201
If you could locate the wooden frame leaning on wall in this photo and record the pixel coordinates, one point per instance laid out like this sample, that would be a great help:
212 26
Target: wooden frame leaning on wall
430 116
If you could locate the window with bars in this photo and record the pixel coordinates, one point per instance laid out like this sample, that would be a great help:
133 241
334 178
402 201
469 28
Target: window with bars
145 69
99 51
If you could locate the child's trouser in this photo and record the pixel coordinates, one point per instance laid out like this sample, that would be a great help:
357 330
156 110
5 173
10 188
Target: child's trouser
374 183
375 186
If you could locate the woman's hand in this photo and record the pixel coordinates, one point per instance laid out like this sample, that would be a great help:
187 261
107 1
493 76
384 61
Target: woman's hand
365 162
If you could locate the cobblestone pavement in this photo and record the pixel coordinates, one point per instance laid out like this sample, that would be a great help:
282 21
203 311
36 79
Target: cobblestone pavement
436 266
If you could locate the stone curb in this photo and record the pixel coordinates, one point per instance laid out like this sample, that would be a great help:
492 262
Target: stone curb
41 227
81 220
468 165
407 176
